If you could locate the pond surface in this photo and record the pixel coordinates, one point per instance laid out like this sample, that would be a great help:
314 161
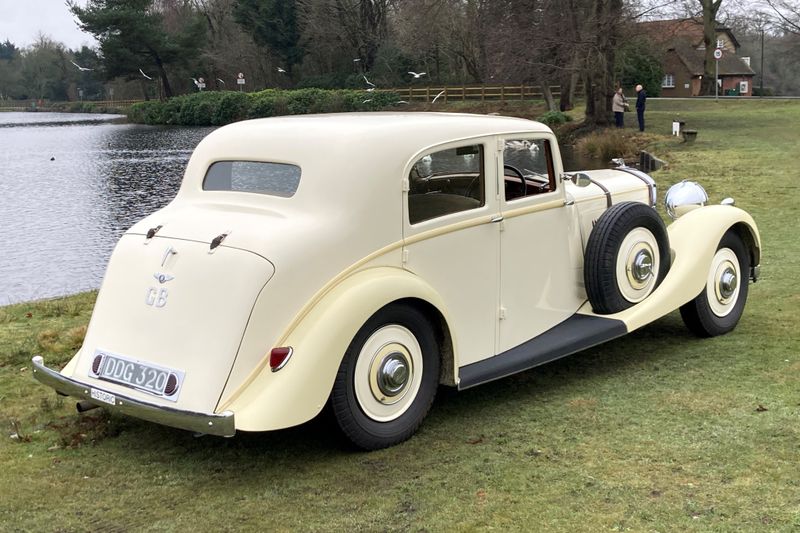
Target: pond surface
71 184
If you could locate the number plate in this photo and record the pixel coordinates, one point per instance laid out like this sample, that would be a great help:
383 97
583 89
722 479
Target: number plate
147 377
104 397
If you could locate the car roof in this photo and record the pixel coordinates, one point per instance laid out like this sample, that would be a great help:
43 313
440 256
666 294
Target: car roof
341 152
408 131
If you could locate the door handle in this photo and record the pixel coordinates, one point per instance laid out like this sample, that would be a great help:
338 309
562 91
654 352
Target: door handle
496 218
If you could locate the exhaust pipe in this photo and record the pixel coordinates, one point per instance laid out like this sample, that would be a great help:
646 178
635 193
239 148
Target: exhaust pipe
84 406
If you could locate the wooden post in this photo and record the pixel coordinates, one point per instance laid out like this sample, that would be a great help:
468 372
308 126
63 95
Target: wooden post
522 92
502 94
483 92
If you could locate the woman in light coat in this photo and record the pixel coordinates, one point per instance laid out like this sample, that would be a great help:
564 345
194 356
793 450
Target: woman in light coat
618 106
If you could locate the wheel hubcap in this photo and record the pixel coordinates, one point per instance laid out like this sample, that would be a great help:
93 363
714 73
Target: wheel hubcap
727 284
642 267
393 374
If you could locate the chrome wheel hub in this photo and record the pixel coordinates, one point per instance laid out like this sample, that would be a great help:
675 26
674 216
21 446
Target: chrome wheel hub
393 374
642 267
727 284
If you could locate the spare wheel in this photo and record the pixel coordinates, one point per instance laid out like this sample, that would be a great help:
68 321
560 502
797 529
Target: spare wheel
626 258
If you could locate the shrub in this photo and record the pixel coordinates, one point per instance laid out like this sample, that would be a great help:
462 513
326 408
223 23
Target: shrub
223 107
606 144
554 118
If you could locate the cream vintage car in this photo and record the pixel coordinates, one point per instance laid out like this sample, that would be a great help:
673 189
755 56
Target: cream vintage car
362 260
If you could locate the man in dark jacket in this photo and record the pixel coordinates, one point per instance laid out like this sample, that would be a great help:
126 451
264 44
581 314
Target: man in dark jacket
641 97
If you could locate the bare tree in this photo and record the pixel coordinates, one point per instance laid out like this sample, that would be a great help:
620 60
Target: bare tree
787 14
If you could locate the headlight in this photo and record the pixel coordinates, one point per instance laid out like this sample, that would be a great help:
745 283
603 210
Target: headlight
683 197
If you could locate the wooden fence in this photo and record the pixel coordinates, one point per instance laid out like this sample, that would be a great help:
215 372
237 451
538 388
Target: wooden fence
45 105
482 93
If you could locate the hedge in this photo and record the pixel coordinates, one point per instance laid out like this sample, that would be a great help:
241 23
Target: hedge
215 108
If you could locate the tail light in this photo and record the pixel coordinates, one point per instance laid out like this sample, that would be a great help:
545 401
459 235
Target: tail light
278 357
96 365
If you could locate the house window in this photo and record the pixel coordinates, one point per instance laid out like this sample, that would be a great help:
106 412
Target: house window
669 81
720 43
744 87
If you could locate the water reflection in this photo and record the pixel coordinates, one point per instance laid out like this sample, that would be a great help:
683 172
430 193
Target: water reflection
70 191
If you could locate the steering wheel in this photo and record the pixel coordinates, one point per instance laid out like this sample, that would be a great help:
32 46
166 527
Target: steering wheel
522 180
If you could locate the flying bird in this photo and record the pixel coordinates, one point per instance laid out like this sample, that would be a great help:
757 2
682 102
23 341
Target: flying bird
368 82
417 75
221 81
82 69
281 70
367 101
145 75
437 97
196 83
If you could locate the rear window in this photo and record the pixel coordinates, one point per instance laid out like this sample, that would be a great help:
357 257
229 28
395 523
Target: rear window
275 179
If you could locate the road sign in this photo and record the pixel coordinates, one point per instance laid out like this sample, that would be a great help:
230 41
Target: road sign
241 75
718 54
240 81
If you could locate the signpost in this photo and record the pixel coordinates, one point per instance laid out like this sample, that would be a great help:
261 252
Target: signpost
717 57
240 81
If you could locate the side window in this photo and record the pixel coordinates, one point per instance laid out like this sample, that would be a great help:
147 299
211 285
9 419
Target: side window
527 168
444 182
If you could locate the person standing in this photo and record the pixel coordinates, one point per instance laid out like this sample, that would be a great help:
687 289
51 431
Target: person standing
641 97
618 106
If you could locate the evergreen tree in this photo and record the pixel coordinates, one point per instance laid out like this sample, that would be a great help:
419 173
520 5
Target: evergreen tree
133 35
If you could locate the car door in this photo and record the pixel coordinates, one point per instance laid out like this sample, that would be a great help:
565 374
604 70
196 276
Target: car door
541 256
451 239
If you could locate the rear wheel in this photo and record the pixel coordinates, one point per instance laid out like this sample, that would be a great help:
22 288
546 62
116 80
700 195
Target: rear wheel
388 378
719 307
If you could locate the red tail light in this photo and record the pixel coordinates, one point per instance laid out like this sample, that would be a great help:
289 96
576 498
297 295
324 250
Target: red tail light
278 358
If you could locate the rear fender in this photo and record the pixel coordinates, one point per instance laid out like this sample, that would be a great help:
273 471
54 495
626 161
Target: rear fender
693 240
273 400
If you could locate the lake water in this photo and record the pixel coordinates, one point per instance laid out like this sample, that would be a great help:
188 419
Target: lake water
71 184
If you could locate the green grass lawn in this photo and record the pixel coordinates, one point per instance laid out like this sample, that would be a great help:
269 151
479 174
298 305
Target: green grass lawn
657 431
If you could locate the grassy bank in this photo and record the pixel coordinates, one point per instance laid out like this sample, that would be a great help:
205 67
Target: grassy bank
657 431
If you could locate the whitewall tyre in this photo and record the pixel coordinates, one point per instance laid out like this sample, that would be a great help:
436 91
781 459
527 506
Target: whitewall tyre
388 378
717 309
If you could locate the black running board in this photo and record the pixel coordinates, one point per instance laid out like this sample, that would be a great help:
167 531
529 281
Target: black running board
577 333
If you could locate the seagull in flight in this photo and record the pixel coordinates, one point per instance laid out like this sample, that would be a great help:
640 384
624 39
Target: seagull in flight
197 83
437 97
368 82
221 81
281 70
145 75
417 75
367 100
82 69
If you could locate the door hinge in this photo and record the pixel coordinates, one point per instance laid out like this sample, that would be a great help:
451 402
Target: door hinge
405 255
406 185
502 313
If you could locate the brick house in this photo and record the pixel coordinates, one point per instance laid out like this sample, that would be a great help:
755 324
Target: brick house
681 42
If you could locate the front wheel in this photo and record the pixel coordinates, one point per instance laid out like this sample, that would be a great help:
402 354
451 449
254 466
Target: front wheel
388 378
719 307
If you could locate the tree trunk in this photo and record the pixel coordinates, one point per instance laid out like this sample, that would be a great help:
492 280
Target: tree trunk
710 9
548 96
164 80
600 76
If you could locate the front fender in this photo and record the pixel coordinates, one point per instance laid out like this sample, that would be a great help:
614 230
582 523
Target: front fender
273 400
693 240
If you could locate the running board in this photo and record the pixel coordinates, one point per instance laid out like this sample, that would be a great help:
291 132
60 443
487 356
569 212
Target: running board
579 332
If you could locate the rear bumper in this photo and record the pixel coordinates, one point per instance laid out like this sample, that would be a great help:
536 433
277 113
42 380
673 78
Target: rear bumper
221 424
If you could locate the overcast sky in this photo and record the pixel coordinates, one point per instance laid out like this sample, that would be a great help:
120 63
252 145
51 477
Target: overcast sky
21 21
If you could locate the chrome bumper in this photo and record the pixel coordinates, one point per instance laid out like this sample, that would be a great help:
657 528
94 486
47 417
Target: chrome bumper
209 423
